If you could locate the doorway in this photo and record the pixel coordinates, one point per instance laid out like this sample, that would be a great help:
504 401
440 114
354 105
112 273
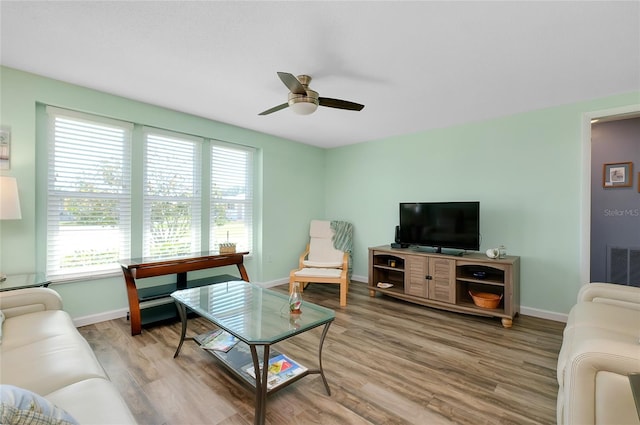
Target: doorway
611 197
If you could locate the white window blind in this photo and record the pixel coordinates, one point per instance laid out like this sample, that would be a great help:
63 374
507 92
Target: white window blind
88 194
89 205
231 196
172 194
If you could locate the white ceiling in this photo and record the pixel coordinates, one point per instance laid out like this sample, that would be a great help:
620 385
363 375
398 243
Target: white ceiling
415 65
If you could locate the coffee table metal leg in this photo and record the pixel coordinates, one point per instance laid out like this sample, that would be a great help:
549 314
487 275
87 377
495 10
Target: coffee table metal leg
324 334
182 312
261 383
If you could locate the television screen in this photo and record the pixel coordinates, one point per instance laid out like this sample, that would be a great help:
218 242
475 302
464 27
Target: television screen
454 225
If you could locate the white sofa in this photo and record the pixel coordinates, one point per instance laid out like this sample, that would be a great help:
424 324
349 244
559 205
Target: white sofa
42 352
600 347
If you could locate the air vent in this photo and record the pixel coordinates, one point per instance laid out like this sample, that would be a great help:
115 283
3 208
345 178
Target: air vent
623 265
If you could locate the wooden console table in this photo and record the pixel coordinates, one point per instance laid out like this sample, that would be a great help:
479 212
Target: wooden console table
139 268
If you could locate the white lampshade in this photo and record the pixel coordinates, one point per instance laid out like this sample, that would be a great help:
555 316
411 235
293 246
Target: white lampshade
304 104
9 200
303 108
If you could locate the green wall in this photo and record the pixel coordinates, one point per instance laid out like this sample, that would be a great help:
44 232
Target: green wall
526 171
290 183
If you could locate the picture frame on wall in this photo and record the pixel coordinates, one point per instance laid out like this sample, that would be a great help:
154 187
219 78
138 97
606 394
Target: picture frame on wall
617 174
5 148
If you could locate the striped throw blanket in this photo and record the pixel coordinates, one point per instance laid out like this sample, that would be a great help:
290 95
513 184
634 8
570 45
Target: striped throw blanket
343 239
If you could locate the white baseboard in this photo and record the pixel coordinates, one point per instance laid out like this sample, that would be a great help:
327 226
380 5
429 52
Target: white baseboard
358 278
122 312
116 314
273 283
544 314
354 278
100 317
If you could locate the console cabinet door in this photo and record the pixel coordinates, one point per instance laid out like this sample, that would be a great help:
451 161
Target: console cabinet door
415 275
442 285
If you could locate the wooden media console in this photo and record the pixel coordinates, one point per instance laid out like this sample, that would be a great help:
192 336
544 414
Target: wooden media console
445 281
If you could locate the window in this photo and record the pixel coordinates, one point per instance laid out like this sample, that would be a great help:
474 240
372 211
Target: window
88 197
231 196
188 194
171 194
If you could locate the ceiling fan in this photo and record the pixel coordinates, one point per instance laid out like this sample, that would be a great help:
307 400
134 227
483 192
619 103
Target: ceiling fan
305 101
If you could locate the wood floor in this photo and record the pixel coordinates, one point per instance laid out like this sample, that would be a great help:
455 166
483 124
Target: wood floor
387 362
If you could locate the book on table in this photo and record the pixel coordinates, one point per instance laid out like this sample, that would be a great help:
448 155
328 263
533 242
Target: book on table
281 369
217 340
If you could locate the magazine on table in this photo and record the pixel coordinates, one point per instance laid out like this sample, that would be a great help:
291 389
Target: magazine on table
217 340
206 337
281 369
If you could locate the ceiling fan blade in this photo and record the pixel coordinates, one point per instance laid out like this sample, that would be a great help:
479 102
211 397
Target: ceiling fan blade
340 104
274 109
292 83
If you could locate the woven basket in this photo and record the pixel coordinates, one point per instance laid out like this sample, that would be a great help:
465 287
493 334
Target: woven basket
227 248
485 299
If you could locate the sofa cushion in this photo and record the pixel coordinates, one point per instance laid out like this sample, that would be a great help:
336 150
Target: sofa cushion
322 264
25 329
614 399
605 316
20 406
312 272
322 251
94 401
320 229
50 363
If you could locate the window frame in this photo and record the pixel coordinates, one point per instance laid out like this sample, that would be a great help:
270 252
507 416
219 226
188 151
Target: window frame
195 201
137 160
250 203
55 196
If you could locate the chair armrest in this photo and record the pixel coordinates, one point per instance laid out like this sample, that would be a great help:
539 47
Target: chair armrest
610 293
597 367
29 300
303 257
345 261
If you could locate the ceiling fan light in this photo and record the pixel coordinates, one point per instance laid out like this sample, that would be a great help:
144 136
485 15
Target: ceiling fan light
303 108
304 104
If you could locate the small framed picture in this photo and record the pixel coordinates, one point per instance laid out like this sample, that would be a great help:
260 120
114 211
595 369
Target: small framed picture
5 148
617 174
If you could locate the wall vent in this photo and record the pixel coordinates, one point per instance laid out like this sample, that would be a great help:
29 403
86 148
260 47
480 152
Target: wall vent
623 265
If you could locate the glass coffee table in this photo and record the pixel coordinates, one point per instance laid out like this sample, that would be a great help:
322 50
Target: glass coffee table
258 318
20 281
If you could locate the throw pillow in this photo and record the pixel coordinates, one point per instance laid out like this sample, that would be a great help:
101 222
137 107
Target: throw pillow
20 406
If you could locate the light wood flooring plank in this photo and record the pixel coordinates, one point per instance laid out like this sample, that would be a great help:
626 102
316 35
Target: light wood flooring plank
387 362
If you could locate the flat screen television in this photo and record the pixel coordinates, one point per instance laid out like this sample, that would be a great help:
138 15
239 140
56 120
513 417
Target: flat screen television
453 225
